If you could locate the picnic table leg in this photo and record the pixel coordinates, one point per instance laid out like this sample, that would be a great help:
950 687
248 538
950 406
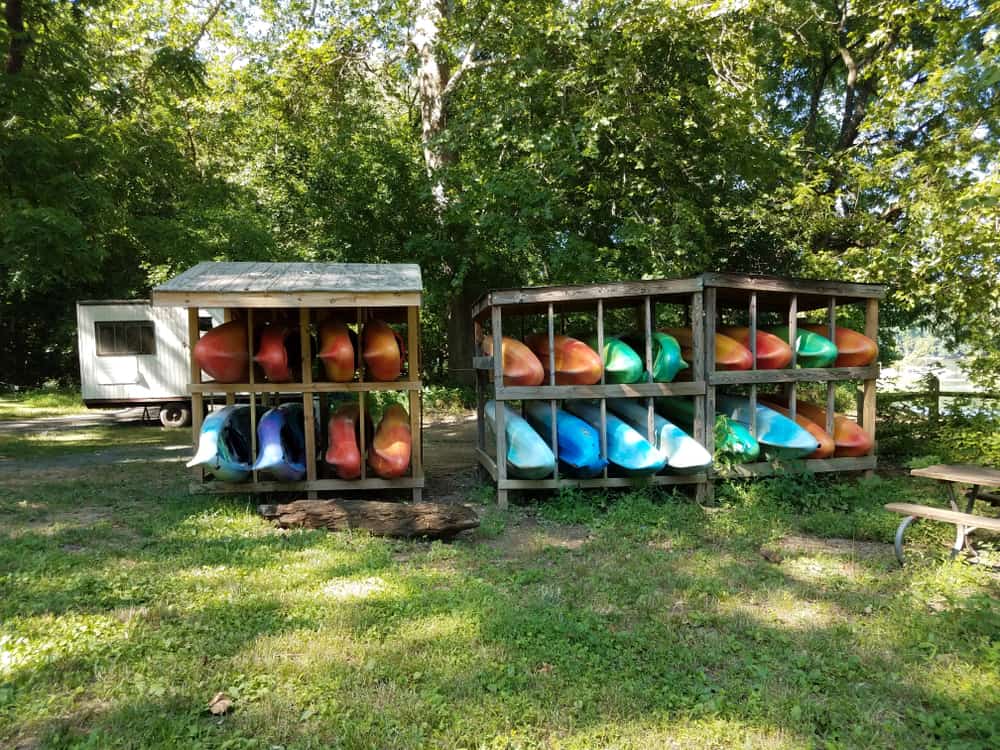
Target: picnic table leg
899 537
962 532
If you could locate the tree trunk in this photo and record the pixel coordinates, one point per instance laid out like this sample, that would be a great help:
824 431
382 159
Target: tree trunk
433 520
432 77
19 41
460 344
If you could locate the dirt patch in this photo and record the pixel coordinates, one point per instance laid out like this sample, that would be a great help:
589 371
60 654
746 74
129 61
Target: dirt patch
795 544
524 537
450 458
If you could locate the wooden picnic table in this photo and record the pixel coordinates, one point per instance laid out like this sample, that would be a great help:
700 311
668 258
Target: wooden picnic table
965 522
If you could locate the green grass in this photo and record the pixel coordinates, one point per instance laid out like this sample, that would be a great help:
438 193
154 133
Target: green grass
43 402
57 443
628 621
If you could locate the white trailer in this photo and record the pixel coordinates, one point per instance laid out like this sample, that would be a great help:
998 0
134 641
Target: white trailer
134 354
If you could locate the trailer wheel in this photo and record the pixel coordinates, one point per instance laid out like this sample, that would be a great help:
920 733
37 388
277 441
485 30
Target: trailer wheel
175 415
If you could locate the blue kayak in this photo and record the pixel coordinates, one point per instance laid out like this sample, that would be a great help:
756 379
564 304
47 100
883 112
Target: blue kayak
528 455
281 443
224 444
579 443
627 449
732 439
777 433
685 455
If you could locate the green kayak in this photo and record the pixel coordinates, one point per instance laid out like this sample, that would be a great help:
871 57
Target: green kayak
732 439
622 364
811 349
667 359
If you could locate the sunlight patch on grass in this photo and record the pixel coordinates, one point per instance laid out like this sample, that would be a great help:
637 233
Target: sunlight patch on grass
345 588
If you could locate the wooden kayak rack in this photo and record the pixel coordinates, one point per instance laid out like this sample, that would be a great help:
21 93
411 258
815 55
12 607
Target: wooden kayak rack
304 293
703 303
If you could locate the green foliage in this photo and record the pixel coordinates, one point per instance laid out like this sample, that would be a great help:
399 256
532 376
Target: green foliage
907 435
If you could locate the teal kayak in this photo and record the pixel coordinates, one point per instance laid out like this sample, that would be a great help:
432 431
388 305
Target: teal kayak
627 448
622 363
732 440
579 443
528 455
667 359
224 448
811 349
685 455
777 433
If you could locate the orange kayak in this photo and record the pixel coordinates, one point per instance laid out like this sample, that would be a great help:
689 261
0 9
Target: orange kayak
576 363
772 352
343 453
383 351
853 349
389 456
520 365
730 354
826 443
223 352
275 355
336 351
850 439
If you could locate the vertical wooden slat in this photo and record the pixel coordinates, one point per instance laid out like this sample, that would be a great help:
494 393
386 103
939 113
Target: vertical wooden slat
416 397
500 422
869 405
709 347
793 332
253 396
308 418
831 330
362 406
695 316
197 400
603 436
552 381
753 360
648 331
227 316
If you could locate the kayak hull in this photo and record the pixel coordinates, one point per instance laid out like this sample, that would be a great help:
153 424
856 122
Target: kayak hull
730 354
622 363
337 351
223 353
343 453
628 450
811 349
732 439
853 349
778 434
275 355
520 365
579 444
576 363
826 443
281 444
528 455
224 447
389 456
772 352
849 437
383 351
685 455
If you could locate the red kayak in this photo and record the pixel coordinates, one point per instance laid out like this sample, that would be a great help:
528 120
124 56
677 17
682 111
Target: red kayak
730 354
853 349
772 352
383 351
520 365
826 443
336 351
275 355
343 453
576 363
850 438
389 456
223 352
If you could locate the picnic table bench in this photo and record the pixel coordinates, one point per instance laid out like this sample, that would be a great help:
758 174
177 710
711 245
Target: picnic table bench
977 477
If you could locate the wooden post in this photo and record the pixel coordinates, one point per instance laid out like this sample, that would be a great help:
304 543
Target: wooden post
362 437
416 397
871 331
552 381
309 419
252 394
753 360
197 400
603 426
934 399
709 338
227 316
793 332
831 388
696 318
499 421
648 326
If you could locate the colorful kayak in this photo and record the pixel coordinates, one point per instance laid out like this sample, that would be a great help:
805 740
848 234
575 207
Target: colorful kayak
576 363
337 351
848 436
627 448
343 453
528 455
520 365
772 352
579 444
685 455
622 363
811 349
389 455
224 445
730 354
278 352
383 351
826 443
667 357
223 353
281 443
732 439
853 349
775 432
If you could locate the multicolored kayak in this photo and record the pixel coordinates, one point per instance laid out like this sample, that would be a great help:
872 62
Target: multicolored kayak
667 357
826 444
732 439
685 455
389 455
223 352
383 351
337 351
772 352
849 437
343 453
811 349
278 352
281 443
775 432
730 354
627 448
520 365
853 349
528 455
224 447
579 444
576 363
622 363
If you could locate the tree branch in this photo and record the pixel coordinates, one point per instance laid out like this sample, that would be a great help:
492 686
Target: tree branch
467 63
204 27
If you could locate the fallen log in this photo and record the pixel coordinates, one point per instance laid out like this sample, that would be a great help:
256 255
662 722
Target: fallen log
434 520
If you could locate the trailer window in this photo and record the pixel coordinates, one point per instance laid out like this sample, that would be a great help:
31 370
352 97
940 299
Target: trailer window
121 338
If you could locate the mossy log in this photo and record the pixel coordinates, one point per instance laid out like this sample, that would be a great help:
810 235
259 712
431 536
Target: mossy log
408 520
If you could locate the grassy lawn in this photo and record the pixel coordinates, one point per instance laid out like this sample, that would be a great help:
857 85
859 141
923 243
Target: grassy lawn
43 402
637 621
